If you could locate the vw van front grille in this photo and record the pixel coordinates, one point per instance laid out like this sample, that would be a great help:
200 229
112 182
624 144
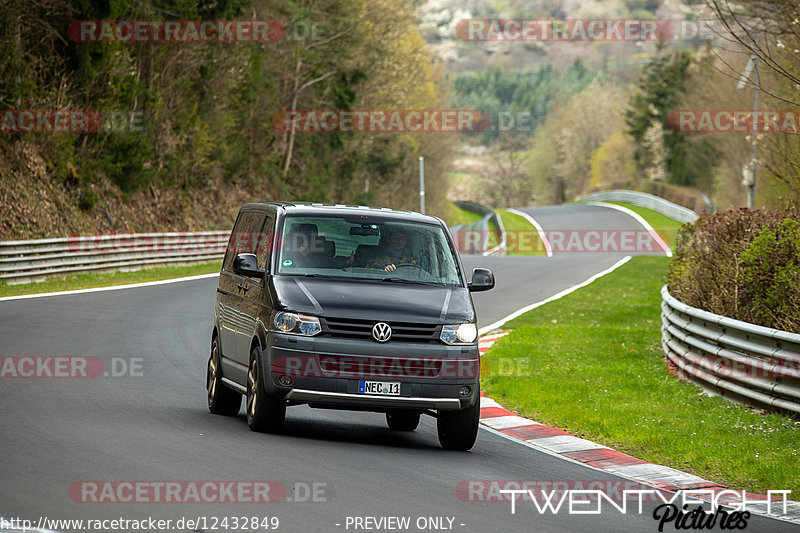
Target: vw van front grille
362 329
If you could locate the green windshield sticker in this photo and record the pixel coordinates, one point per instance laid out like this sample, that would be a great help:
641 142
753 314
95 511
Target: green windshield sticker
287 262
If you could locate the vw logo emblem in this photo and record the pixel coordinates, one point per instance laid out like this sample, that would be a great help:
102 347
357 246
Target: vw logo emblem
381 332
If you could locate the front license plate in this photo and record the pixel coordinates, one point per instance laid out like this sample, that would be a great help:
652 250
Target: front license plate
384 388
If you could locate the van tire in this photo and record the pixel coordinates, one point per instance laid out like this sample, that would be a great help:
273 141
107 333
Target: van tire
458 430
221 399
402 420
264 413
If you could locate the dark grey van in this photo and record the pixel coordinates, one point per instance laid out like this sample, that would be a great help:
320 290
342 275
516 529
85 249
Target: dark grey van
346 307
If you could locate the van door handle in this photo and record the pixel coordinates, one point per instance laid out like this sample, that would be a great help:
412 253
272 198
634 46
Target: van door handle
244 288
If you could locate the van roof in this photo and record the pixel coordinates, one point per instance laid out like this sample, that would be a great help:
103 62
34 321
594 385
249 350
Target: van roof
314 208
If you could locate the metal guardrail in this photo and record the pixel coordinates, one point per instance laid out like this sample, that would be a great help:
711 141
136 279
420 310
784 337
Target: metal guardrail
24 261
474 238
731 358
656 203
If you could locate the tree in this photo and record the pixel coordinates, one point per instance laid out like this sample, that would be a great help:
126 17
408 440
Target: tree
663 83
561 153
769 30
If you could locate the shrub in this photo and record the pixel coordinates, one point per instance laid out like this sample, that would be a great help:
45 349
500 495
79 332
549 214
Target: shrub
744 264
770 278
88 199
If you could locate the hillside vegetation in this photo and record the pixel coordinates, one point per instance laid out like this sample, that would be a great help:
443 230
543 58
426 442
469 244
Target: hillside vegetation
189 128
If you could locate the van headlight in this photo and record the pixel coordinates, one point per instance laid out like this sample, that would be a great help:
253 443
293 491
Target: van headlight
296 323
459 333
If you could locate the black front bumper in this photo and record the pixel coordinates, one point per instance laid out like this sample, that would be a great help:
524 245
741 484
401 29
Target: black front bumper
326 372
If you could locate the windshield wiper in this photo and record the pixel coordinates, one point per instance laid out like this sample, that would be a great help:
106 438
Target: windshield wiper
413 282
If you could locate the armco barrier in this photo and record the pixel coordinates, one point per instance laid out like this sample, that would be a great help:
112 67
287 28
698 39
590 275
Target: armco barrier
474 238
731 358
23 261
665 207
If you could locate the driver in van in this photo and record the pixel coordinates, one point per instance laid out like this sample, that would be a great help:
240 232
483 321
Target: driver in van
395 253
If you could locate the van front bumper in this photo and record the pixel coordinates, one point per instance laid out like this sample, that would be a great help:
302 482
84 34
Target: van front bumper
326 372
368 400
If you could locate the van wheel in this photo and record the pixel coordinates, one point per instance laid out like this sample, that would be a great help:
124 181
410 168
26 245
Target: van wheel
264 414
221 399
458 429
402 420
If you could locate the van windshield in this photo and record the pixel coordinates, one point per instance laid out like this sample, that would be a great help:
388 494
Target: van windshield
388 250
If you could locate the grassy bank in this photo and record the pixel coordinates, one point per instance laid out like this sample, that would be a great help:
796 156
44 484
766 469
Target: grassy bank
591 364
665 226
92 279
521 236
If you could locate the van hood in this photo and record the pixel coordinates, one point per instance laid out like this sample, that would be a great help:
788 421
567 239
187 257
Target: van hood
374 300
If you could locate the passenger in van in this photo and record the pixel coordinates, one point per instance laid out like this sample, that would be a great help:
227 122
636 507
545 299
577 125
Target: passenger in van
395 252
306 249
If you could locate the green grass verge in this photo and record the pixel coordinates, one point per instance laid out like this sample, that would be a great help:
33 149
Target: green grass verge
591 364
461 216
665 226
92 279
521 236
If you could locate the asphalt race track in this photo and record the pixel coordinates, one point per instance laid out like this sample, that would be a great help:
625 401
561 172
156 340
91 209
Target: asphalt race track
153 424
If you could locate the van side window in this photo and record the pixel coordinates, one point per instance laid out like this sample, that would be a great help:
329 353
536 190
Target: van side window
264 248
245 236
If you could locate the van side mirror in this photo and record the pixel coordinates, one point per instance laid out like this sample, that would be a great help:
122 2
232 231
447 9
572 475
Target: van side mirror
482 280
247 265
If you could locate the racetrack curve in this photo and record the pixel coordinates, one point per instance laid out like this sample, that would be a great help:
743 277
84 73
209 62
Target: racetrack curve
156 427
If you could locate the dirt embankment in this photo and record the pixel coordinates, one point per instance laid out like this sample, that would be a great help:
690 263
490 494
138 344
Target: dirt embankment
37 205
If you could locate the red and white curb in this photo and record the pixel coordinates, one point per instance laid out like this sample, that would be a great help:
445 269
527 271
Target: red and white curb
593 455
487 341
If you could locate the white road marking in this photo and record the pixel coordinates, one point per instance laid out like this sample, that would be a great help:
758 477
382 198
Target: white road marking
511 421
110 288
488 402
656 237
566 443
539 230
561 294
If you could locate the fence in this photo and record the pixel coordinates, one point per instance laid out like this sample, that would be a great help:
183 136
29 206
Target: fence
739 360
23 261
474 238
665 207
